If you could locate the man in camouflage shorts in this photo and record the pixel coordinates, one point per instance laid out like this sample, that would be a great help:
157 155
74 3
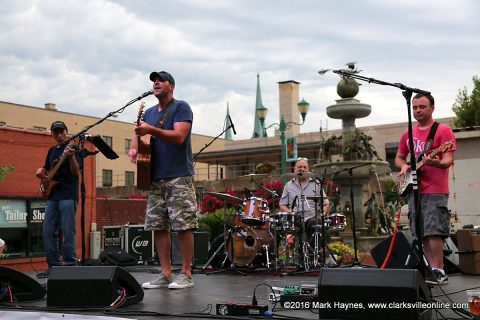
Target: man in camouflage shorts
171 202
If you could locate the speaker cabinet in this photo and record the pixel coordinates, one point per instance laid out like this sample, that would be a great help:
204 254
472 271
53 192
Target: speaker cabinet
400 252
91 286
23 287
349 293
200 249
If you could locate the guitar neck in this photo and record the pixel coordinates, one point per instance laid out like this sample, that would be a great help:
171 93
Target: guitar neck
55 168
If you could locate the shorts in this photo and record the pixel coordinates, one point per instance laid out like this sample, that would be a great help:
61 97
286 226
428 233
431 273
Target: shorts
171 205
435 215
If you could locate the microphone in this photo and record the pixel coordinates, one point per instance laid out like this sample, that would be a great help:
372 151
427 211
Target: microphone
231 123
294 202
145 94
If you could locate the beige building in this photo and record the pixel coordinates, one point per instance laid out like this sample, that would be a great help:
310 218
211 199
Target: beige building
117 134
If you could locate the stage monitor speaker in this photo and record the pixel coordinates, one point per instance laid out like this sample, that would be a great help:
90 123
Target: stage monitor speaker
351 293
91 286
23 287
400 252
403 247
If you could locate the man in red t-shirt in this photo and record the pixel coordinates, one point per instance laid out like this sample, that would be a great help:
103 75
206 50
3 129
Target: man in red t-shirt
433 183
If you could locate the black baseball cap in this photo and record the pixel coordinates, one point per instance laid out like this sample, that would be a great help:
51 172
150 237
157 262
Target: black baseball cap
58 124
163 75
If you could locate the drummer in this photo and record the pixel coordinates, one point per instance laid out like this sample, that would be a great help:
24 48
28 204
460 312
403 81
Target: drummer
302 184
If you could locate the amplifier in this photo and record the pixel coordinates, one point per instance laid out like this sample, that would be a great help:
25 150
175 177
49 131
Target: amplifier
113 236
139 242
134 239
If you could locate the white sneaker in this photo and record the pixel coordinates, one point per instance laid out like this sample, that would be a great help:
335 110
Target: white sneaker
182 281
160 282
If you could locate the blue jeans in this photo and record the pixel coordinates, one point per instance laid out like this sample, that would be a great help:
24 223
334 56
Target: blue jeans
60 219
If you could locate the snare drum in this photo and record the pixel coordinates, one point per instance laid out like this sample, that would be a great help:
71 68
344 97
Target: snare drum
284 221
255 211
336 222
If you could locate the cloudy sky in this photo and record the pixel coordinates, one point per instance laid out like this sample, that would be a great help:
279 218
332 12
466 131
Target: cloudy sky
93 56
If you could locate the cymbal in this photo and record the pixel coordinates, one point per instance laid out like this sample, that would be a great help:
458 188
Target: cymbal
226 197
251 175
292 175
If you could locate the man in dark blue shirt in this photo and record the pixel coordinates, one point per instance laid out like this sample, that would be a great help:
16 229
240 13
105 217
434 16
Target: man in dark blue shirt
171 201
59 177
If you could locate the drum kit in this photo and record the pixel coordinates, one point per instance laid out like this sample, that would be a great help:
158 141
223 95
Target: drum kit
256 234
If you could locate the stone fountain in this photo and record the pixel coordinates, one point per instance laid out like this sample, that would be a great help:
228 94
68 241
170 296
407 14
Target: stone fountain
353 149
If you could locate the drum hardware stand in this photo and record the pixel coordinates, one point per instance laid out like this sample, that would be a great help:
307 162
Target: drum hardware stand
274 195
226 236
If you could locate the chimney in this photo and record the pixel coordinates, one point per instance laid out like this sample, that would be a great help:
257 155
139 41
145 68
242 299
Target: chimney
50 106
288 99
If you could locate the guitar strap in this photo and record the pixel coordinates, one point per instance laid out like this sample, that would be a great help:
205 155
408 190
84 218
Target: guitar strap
166 112
431 135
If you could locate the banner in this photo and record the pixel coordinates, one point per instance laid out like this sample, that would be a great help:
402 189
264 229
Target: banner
291 145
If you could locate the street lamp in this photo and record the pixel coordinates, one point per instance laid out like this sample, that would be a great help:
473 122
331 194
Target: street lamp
282 126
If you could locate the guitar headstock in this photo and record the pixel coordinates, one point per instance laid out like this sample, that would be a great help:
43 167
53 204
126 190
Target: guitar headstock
140 112
444 147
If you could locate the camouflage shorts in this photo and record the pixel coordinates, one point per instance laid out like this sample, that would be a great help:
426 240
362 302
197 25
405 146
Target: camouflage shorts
435 215
172 205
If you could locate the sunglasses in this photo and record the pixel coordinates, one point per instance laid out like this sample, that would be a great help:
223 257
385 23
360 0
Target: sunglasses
298 159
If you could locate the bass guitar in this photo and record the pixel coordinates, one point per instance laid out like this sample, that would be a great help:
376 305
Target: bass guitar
143 155
48 183
404 184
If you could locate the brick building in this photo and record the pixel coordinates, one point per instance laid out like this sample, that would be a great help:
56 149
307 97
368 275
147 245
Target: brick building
22 208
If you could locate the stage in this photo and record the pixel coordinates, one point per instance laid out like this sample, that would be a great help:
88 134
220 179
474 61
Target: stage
218 288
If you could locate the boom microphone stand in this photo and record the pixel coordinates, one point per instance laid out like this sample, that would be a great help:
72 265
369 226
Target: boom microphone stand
407 93
105 149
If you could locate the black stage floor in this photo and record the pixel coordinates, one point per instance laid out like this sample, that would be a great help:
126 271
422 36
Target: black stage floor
224 287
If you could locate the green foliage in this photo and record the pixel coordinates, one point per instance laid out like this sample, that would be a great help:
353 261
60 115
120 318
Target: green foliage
344 254
4 170
467 106
213 222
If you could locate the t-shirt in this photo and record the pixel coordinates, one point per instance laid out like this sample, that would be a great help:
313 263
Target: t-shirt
292 193
170 160
67 189
432 179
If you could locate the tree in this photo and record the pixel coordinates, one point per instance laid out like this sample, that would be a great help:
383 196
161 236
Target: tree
4 170
467 107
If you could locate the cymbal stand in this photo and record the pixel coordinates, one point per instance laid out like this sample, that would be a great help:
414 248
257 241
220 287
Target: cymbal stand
227 235
303 245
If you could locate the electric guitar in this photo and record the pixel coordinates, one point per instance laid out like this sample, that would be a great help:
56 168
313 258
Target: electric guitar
48 183
143 155
404 184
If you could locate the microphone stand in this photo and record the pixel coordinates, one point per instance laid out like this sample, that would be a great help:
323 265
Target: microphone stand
407 93
210 143
354 231
81 135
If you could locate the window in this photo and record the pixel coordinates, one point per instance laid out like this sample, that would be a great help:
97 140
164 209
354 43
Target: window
21 223
128 144
129 177
108 140
106 178
390 153
2 123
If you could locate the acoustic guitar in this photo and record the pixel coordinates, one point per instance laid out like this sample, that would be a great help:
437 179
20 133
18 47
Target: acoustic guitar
48 183
143 155
404 184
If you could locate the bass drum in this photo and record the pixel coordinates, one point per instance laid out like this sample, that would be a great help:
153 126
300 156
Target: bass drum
249 247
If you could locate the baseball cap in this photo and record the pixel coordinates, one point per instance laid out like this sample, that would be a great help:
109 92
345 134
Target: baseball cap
163 75
58 124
